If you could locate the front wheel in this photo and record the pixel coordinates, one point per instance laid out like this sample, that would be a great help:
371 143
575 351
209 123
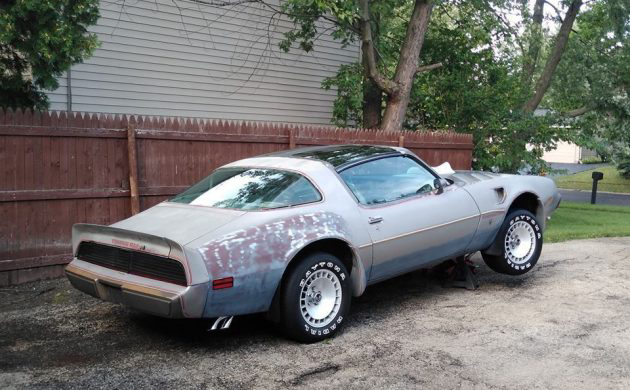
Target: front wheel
316 298
521 239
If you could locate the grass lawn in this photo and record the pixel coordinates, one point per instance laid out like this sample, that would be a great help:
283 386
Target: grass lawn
582 220
612 182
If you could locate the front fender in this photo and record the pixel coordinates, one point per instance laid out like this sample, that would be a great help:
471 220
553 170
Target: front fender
547 200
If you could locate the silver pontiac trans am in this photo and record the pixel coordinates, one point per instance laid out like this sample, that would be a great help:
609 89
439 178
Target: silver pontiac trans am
297 234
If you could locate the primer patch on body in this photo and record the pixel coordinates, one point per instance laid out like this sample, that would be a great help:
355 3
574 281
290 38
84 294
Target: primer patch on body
264 246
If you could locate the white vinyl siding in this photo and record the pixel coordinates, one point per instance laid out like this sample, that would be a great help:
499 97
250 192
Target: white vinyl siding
179 58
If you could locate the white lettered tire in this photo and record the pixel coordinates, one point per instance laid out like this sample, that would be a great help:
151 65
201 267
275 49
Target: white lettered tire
316 297
521 239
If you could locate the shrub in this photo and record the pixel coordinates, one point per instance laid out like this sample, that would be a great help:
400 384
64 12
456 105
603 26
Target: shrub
624 169
591 160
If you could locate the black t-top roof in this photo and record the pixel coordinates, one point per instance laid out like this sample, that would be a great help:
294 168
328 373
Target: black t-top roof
338 155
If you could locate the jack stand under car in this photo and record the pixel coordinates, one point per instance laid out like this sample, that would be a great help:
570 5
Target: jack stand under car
460 273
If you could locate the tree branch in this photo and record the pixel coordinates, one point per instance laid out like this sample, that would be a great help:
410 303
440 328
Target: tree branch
578 111
408 65
426 68
506 25
554 58
367 51
535 42
414 39
558 13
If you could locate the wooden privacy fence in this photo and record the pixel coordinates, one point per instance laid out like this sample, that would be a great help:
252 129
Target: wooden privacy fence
59 168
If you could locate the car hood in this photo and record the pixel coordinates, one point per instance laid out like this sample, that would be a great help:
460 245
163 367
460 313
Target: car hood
463 178
179 222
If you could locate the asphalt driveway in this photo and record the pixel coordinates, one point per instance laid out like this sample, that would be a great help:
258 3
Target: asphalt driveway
569 169
609 198
566 324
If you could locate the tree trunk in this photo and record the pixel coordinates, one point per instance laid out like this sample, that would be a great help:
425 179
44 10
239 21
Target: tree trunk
368 51
372 101
535 41
407 66
395 112
554 58
372 94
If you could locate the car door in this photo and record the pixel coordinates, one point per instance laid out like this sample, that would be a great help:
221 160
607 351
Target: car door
411 222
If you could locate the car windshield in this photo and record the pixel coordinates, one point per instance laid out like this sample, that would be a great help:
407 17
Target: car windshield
250 189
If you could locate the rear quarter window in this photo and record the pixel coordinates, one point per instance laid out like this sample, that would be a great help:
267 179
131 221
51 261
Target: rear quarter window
250 189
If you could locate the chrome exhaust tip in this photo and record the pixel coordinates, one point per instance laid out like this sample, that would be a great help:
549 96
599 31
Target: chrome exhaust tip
222 323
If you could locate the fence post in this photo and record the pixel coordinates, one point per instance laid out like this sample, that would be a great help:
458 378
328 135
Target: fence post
291 138
133 170
401 141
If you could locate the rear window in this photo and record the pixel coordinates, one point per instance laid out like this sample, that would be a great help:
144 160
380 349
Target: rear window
250 189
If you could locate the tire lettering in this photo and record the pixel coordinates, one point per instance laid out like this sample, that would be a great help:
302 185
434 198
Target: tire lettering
328 330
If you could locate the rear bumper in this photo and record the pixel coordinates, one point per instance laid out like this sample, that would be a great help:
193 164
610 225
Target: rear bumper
143 294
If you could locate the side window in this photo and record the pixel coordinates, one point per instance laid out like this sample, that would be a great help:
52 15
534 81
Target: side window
388 179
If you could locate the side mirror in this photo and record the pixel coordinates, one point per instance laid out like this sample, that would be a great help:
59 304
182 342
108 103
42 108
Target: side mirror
439 185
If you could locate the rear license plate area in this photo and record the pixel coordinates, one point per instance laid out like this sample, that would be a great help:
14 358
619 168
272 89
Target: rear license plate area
112 291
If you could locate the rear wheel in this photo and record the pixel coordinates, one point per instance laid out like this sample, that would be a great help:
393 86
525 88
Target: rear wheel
521 239
316 298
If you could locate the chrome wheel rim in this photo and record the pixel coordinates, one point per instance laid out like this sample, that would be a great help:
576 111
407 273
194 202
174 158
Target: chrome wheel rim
320 298
520 242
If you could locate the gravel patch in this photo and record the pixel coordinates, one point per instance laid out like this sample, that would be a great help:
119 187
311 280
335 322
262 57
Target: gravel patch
566 324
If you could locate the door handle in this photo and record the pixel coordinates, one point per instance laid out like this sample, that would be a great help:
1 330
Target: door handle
373 220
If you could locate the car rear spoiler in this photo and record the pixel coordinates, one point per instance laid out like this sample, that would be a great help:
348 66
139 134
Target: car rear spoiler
122 238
